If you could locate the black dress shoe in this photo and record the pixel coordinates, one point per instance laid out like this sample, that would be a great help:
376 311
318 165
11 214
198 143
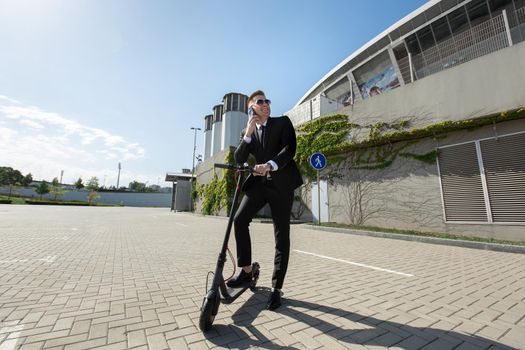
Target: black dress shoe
240 279
274 301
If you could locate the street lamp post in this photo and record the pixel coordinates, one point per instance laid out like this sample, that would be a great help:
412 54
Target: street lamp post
118 176
193 163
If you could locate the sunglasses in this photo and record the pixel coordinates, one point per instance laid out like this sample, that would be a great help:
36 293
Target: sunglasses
260 102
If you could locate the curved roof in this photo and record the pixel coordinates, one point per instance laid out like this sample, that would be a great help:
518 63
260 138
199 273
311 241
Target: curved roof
376 44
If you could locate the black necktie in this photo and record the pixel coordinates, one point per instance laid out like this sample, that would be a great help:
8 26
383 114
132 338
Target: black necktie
263 134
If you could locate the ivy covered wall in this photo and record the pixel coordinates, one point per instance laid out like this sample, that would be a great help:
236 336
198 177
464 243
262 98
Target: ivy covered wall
377 145
386 174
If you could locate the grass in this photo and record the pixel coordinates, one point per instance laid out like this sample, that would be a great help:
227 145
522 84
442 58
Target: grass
33 201
424 234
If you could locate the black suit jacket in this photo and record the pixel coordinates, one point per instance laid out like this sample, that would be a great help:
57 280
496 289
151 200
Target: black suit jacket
280 144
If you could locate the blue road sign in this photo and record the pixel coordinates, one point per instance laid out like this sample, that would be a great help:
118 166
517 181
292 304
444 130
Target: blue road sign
318 161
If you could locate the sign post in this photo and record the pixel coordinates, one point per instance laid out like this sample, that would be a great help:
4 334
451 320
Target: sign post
318 162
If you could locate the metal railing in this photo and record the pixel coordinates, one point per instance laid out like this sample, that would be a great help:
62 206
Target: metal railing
482 39
485 38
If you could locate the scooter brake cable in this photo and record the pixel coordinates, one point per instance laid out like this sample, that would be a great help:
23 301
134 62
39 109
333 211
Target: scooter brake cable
234 268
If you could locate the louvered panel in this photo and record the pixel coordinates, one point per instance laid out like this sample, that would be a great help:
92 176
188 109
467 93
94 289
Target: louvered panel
461 184
504 163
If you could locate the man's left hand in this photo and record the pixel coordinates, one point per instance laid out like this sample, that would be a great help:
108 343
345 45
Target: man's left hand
261 169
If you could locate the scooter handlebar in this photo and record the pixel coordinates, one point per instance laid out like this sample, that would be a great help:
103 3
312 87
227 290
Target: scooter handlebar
238 167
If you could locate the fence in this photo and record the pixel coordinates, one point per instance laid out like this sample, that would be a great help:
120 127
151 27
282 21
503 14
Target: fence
482 39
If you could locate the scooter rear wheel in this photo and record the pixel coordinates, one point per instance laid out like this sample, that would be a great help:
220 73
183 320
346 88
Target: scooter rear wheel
207 317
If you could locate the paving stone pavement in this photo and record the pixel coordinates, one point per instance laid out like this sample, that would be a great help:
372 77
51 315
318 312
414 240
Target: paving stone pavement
134 278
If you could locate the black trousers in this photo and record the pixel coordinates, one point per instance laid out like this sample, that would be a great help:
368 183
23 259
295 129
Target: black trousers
260 193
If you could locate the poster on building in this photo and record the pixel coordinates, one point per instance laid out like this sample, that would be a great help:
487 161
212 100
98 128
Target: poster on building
380 83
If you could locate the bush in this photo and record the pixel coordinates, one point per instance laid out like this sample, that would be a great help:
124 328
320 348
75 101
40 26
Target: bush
31 201
5 201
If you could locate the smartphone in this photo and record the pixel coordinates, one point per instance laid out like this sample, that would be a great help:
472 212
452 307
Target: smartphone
251 112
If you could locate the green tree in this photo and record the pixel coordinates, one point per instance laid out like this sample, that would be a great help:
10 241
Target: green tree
137 186
26 181
56 189
42 189
10 177
154 188
93 184
79 184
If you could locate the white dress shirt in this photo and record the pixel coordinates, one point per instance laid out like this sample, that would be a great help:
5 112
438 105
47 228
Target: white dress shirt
248 139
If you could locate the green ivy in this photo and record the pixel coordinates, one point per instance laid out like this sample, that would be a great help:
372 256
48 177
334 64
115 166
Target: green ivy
218 194
323 135
429 158
435 130
385 141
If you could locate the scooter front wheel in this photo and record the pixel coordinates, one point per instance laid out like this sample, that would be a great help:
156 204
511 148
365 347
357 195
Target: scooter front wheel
207 317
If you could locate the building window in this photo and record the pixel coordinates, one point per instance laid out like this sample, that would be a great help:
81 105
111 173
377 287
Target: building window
228 102
478 12
441 29
376 76
426 39
340 92
235 103
242 107
504 164
458 21
484 181
208 120
496 6
217 112
413 45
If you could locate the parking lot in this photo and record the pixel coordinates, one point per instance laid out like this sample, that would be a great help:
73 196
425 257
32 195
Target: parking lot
134 278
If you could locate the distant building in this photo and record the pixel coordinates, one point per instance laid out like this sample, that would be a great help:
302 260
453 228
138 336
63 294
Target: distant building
222 129
181 192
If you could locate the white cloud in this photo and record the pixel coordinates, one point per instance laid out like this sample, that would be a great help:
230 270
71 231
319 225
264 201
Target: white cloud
5 98
31 124
44 143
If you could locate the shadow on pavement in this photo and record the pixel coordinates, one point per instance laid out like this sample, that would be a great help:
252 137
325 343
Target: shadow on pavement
376 332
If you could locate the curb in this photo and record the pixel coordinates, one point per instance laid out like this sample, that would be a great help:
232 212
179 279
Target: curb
270 221
507 248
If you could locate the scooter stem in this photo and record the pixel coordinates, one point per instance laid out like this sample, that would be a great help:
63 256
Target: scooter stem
232 213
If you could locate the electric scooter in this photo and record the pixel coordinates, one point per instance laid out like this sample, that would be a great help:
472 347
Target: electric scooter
219 291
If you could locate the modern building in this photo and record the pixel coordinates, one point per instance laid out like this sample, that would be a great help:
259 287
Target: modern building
222 131
449 60
223 128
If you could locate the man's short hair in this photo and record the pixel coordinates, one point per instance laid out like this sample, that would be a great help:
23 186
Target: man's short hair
256 93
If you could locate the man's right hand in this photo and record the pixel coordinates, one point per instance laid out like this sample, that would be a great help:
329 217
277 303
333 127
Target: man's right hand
250 127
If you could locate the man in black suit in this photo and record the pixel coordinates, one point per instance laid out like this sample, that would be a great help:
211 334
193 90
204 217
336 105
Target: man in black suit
272 142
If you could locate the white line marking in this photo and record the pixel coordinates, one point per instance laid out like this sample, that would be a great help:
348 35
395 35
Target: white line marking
12 341
354 263
48 259
178 223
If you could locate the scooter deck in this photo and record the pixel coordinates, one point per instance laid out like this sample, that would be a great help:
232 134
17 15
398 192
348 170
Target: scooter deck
235 292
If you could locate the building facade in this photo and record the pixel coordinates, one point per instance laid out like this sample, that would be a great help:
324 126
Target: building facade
448 61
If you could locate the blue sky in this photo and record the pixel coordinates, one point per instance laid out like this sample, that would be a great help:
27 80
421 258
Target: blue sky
85 84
